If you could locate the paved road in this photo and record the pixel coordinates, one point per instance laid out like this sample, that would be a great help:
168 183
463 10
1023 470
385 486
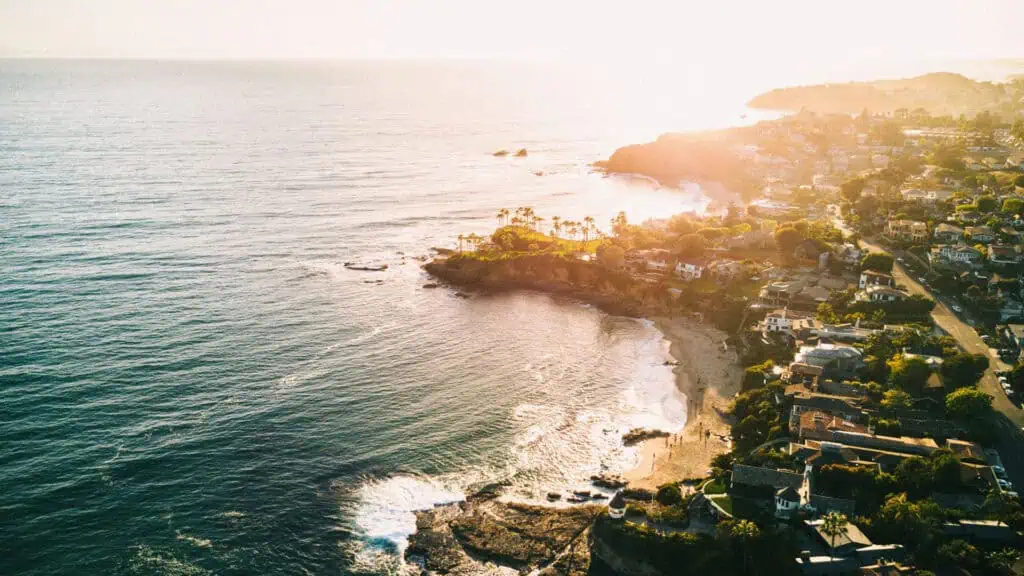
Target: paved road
1011 442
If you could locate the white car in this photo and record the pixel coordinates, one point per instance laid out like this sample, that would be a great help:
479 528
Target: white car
1004 484
956 308
999 472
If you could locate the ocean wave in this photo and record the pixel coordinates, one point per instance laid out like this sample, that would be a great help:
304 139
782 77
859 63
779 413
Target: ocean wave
386 512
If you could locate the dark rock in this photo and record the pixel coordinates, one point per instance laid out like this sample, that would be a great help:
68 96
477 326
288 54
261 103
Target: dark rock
366 267
500 153
637 435
554 496
522 153
599 496
461 295
581 493
431 285
610 482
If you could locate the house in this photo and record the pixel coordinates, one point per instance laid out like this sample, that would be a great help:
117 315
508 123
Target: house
836 359
880 294
783 321
787 501
967 451
755 476
813 295
907 230
873 278
935 196
816 425
913 195
980 234
779 293
725 269
803 400
846 544
904 444
689 269
949 254
948 233
1003 254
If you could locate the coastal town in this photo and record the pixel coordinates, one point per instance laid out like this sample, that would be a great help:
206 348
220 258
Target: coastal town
866 287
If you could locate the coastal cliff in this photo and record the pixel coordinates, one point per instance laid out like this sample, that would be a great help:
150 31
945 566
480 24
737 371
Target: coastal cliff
939 93
675 158
613 291
474 536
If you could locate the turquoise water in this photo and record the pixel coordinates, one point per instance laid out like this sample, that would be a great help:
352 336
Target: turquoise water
194 383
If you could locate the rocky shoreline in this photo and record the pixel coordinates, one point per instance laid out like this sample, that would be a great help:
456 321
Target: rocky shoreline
483 534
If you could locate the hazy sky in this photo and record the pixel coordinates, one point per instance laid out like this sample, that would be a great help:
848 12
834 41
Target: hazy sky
815 32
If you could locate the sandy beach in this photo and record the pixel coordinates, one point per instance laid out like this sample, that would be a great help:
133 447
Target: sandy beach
709 377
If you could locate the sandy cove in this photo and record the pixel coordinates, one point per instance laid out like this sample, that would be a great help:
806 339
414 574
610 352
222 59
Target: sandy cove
709 377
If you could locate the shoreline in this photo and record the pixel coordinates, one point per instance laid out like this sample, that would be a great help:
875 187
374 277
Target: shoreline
709 377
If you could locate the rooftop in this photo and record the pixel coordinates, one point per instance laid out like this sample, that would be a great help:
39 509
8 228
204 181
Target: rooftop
846 543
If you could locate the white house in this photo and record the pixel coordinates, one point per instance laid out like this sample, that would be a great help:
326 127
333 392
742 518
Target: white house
689 270
783 321
955 254
787 501
880 294
873 278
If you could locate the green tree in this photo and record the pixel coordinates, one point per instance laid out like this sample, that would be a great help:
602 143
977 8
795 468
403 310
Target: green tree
958 553
826 313
909 374
669 495
969 404
787 238
877 261
1013 206
914 475
851 189
833 526
987 204
745 532
690 246
896 399
612 256
963 370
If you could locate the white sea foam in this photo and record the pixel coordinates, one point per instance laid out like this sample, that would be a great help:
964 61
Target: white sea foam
386 511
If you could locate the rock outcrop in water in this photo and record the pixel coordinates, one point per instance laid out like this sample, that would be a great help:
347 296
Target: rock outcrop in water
462 539
613 291
638 435
675 158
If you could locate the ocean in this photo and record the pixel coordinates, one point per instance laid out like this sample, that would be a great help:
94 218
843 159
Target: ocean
194 383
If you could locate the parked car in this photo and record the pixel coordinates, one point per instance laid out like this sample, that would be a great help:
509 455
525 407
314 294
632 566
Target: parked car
999 472
956 308
1005 484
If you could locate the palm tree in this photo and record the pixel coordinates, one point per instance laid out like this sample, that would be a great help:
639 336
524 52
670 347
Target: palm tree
588 225
503 216
462 237
572 229
745 531
833 526
528 215
556 225
536 222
